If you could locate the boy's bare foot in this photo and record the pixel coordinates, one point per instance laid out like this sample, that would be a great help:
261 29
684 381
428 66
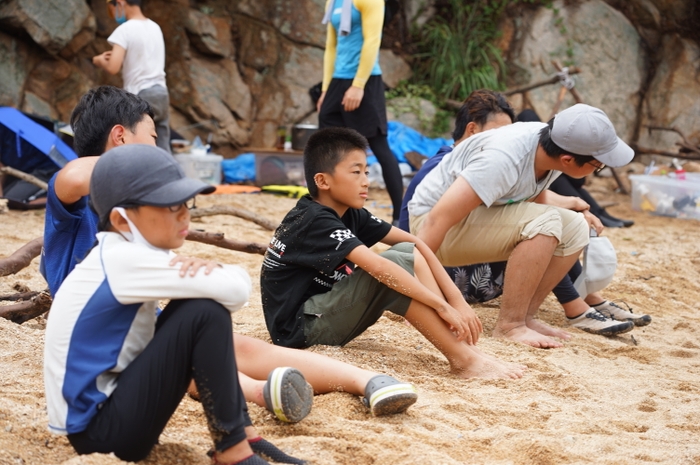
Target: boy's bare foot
481 366
527 336
493 358
547 330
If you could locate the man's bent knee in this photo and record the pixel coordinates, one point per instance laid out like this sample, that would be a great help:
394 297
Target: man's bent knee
575 235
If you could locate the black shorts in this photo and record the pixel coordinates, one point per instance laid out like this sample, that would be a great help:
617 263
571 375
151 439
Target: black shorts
369 119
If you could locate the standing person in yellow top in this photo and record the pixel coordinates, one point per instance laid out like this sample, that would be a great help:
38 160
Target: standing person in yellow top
353 91
138 50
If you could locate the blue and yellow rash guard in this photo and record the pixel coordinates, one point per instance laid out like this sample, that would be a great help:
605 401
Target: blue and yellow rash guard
355 56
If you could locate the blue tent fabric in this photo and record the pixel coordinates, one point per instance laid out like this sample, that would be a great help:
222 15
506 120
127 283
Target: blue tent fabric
27 146
403 139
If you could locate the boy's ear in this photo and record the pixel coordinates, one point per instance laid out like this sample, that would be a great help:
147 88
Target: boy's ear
321 180
118 222
116 137
471 129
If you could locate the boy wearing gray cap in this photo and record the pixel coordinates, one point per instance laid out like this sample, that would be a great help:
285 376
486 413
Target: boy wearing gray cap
114 374
488 201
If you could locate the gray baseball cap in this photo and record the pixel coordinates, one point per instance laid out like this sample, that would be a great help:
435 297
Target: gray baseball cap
586 130
138 174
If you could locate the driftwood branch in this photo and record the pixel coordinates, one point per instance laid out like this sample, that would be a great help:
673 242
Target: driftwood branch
239 212
650 151
552 80
573 91
19 296
219 240
671 129
25 311
22 257
686 147
24 176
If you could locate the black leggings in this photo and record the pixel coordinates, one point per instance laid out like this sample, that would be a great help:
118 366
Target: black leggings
193 338
565 290
390 171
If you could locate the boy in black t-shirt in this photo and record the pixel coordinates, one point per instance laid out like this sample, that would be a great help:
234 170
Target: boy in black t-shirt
312 292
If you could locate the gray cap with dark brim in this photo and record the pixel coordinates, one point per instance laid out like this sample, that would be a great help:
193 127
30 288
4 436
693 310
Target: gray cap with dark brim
138 174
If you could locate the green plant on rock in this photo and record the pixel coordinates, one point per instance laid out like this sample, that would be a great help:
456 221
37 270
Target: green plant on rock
405 98
456 51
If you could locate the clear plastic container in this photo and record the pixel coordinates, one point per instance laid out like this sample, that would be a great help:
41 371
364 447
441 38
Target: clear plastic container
206 168
667 195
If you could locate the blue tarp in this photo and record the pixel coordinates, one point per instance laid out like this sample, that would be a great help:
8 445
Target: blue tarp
403 139
27 146
239 169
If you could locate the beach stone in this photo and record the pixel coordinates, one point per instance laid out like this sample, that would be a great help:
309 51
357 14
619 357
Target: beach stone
612 59
52 24
219 94
394 68
673 99
203 34
35 105
301 70
414 112
299 21
16 61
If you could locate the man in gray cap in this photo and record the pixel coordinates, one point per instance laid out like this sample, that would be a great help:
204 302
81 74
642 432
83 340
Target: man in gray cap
488 201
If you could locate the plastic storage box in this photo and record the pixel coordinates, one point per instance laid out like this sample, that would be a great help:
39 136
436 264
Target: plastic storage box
667 195
278 167
206 168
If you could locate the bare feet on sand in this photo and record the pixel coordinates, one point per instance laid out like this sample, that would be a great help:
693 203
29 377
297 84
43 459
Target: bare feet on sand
527 336
487 366
543 328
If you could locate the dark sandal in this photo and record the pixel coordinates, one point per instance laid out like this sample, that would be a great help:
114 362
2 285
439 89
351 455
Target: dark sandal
385 395
288 395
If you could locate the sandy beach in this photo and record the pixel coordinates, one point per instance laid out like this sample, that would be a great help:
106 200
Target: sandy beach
632 399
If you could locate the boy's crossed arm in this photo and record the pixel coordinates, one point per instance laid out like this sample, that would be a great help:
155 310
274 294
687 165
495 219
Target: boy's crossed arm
452 308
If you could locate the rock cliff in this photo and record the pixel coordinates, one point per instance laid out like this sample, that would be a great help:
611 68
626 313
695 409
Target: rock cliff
239 69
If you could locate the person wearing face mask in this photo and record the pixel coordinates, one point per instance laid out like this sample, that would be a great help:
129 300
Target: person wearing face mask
115 370
138 50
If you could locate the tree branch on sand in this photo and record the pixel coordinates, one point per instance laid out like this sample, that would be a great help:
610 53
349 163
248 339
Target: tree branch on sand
218 240
239 212
21 258
25 311
19 296
24 177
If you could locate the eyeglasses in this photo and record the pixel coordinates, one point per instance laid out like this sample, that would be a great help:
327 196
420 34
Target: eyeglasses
598 166
189 204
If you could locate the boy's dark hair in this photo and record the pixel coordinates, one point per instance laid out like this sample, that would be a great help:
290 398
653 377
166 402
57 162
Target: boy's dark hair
134 2
98 111
478 107
554 151
325 149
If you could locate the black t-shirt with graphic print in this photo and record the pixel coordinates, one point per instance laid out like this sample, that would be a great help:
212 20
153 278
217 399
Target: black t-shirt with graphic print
306 256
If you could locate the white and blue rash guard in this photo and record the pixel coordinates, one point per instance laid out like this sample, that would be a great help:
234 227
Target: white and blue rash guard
104 315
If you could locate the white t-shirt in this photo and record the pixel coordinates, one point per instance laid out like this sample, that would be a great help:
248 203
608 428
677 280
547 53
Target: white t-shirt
144 63
498 164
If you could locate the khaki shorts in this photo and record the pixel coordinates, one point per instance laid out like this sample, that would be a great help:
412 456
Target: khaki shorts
355 303
491 234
